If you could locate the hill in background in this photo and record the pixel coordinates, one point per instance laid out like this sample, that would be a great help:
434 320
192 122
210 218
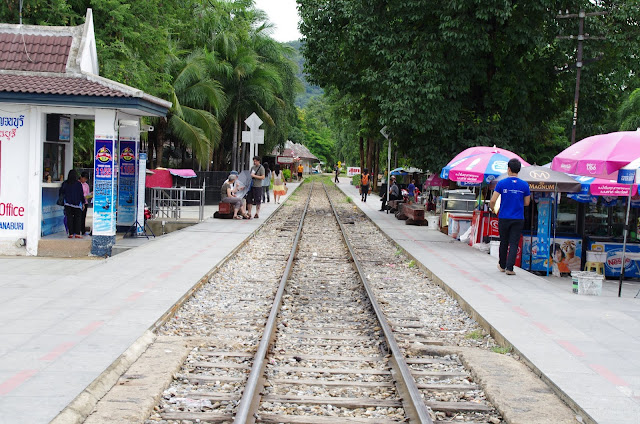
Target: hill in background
310 91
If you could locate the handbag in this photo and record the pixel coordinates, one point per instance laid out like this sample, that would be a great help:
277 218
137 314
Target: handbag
60 201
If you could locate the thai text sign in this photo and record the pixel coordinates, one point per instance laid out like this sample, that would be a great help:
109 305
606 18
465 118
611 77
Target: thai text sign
353 170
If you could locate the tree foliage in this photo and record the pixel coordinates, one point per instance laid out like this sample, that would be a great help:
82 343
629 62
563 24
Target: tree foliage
213 59
443 76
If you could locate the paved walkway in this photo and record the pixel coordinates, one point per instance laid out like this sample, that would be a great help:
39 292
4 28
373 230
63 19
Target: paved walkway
65 321
588 347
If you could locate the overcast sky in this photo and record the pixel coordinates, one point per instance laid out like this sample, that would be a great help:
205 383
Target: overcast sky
284 15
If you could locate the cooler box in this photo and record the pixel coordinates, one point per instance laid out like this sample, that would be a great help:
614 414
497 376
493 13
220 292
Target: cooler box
459 224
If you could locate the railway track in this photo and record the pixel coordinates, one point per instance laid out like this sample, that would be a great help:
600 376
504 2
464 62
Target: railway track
334 347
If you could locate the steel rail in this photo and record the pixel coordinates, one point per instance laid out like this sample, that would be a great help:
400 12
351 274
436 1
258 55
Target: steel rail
412 402
250 399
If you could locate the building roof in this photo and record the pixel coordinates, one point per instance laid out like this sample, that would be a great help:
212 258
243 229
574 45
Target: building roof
59 66
38 53
56 85
292 149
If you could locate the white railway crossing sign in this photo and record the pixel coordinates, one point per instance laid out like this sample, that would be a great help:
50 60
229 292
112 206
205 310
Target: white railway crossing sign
254 136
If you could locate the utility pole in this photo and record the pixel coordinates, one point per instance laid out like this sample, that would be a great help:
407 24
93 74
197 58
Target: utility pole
581 37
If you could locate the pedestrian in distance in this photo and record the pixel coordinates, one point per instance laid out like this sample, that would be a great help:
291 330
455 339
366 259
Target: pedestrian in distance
255 194
266 182
515 195
364 184
300 171
86 191
394 194
411 188
336 169
73 196
278 184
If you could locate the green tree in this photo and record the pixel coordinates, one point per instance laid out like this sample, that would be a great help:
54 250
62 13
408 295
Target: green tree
629 113
445 76
197 101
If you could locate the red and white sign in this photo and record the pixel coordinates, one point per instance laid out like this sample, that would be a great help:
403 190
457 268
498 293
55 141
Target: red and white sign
353 170
284 159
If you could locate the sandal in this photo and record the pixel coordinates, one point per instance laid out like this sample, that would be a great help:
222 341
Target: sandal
256 216
237 217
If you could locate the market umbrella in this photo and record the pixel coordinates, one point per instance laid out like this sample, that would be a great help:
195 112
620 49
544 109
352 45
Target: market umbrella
479 165
405 171
434 181
591 187
541 178
244 179
600 155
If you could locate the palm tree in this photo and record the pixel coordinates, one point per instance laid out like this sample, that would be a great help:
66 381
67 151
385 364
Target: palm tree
198 104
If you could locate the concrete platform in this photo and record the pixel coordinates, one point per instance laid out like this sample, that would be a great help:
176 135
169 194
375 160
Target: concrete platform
66 323
587 348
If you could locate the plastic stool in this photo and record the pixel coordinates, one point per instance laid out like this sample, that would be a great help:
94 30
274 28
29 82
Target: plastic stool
596 266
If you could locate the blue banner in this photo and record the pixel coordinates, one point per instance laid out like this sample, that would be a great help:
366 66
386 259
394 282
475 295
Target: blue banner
104 223
127 193
544 228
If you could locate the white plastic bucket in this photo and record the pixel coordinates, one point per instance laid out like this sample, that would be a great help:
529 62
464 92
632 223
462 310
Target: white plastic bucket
432 222
494 249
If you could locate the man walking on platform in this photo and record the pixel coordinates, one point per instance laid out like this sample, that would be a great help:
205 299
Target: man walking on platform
515 196
364 185
255 194
336 169
300 171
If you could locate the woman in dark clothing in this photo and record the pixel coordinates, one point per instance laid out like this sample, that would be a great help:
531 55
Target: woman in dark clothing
73 202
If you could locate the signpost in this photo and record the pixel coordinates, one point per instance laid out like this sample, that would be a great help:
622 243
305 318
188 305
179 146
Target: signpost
254 137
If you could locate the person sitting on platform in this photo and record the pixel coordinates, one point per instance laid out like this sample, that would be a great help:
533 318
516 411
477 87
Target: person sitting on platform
394 194
228 195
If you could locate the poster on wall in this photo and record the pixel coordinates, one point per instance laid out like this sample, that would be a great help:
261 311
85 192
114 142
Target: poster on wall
127 196
52 213
104 223
564 255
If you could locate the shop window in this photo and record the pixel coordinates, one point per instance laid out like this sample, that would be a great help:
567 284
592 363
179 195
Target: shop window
596 220
53 165
607 220
567 216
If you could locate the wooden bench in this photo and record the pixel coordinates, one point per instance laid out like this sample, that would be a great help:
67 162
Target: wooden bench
393 205
413 213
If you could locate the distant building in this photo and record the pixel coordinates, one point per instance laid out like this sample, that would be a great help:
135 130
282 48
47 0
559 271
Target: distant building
292 154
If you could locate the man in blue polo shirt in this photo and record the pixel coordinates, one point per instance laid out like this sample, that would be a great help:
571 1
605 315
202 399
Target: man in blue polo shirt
515 196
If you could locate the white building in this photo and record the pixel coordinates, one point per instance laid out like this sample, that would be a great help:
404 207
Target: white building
48 79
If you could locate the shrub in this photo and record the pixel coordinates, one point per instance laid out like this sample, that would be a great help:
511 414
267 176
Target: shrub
355 180
287 174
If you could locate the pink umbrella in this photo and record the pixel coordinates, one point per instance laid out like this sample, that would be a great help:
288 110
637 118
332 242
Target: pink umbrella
599 155
478 150
478 165
434 181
